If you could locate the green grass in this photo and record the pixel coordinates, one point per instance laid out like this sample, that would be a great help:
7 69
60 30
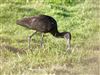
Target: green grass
77 17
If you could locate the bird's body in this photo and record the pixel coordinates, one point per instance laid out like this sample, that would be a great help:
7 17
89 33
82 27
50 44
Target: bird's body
43 24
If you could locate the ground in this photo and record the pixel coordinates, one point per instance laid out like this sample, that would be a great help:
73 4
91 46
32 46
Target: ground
81 18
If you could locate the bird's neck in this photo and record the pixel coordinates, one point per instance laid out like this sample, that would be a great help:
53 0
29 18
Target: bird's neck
59 34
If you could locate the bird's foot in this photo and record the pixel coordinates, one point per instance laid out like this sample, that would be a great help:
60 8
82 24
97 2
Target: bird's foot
68 50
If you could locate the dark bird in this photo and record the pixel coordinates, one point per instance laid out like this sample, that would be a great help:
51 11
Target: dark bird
44 24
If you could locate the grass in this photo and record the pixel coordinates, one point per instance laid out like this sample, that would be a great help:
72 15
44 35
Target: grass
79 18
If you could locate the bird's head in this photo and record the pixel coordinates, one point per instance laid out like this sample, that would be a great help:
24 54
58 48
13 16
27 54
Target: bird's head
67 36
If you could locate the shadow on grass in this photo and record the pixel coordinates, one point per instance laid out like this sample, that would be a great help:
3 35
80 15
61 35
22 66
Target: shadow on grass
63 14
22 40
5 39
9 40
63 10
29 10
12 49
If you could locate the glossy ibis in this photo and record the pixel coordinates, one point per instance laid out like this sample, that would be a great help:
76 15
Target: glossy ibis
44 24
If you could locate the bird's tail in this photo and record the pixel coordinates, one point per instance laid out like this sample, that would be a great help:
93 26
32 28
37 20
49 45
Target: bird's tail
18 22
23 23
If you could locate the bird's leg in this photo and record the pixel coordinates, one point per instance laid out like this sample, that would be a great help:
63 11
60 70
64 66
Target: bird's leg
29 39
41 42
